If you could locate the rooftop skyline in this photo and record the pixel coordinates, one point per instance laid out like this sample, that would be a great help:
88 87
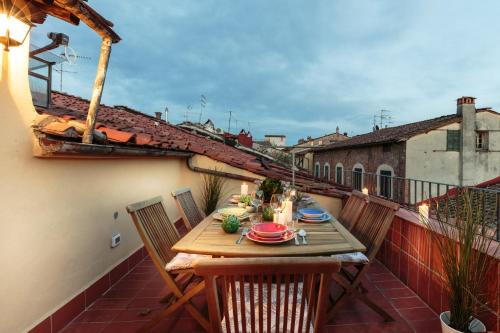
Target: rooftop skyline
291 68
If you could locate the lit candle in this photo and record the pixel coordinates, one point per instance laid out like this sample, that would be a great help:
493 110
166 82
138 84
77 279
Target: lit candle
244 189
288 210
423 211
365 191
282 218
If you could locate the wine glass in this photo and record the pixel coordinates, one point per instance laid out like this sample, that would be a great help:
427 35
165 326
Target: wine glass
276 202
257 201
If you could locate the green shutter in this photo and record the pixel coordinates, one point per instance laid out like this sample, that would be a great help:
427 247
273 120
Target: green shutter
453 140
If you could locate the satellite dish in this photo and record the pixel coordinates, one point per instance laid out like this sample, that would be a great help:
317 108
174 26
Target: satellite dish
70 55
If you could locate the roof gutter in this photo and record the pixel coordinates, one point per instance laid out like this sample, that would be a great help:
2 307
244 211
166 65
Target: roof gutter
52 148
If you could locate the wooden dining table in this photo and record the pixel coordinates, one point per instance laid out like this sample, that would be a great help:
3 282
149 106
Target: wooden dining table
323 239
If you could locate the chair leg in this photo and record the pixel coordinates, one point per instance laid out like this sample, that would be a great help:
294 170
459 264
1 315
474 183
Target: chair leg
182 301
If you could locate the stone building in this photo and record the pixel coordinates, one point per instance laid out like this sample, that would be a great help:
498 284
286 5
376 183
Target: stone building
459 149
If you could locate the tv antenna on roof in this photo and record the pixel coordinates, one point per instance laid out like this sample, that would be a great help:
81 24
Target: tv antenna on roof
71 57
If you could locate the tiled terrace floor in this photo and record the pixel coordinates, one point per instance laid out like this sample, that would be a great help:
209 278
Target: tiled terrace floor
135 299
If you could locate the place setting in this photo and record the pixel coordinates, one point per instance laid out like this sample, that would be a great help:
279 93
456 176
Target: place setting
313 215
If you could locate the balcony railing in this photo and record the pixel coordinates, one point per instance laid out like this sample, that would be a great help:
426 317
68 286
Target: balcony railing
411 193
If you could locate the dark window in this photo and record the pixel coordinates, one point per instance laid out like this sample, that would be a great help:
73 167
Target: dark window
357 178
453 140
339 172
385 183
316 170
482 140
386 148
326 171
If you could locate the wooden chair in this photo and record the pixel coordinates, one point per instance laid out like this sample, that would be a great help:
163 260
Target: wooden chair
267 294
371 230
353 209
190 213
158 235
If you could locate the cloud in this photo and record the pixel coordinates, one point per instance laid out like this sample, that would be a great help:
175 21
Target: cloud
301 68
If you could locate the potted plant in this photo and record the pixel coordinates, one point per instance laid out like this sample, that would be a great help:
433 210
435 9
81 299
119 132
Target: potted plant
212 189
270 186
464 239
246 202
267 214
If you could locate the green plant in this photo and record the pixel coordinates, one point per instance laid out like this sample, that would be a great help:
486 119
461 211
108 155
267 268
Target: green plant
246 199
464 240
212 190
271 186
267 214
230 224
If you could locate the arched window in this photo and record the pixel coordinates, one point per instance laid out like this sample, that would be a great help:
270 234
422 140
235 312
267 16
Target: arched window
385 174
326 171
339 173
316 169
357 176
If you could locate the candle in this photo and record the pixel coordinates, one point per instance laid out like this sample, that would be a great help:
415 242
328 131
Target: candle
288 210
365 191
423 211
282 218
244 189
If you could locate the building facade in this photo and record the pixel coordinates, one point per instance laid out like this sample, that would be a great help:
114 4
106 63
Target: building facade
458 149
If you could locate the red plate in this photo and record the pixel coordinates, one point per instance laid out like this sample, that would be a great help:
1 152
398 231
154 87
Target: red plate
267 229
285 238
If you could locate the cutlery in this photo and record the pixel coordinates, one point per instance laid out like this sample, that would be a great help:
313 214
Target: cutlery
244 232
296 238
302 233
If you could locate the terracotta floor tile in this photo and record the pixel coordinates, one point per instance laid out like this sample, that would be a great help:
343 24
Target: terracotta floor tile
111 303
97 316
84 328
427 326
394 284
418 314
122 327
393 327
145 302
408 302
121 293
397 293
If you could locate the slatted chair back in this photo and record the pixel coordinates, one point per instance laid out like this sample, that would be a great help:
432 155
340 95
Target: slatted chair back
354 207
374 223
157 232
190 213
267 294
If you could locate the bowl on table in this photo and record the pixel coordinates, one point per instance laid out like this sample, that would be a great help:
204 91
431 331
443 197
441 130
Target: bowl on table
269 230
312 212
240 213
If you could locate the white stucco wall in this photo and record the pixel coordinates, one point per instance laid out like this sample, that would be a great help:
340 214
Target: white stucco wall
57 214
427 158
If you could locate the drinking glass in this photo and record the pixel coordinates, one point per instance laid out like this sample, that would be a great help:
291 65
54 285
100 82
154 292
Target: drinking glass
276 201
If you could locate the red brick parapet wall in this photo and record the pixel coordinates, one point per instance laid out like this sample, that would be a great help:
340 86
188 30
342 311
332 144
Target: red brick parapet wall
409 253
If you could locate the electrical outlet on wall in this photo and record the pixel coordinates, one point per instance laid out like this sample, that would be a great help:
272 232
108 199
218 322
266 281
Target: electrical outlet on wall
115 240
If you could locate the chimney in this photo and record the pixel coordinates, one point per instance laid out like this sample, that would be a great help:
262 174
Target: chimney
337 130
466 109
465 104
158 115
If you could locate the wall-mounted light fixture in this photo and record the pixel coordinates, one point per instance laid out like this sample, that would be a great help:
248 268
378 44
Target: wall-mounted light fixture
13 32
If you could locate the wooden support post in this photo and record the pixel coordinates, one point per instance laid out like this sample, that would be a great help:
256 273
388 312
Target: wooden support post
102 68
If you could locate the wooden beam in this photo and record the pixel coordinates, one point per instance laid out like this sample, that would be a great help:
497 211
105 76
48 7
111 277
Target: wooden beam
57 12
95 101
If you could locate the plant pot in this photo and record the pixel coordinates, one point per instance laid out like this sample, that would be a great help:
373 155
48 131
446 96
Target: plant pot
475 326
242 204
250 209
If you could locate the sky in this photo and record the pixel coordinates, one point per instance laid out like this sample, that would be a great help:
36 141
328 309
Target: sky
299 68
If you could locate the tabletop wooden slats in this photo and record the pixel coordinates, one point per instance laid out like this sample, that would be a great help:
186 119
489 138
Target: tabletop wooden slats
324 239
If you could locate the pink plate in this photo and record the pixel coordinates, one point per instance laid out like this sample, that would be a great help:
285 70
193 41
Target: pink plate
285 238
267 229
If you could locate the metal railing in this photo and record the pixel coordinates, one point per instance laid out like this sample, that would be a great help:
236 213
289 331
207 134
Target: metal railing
411 193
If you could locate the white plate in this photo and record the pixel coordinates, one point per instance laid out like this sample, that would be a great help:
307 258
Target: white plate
219 217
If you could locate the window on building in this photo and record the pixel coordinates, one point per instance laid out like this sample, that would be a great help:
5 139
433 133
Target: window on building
385 183
40 79
326 171
338 174
453 140
357 178
482 140
316 170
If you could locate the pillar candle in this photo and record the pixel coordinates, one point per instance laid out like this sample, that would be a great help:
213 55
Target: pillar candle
244 189
288 210
423 210
281 218
365 191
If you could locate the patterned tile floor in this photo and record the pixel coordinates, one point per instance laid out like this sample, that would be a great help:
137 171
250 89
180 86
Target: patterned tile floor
135 299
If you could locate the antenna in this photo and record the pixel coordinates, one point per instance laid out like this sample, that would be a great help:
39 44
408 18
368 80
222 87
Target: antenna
203 103
70 56
188 110
384 119
230 114
166 114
